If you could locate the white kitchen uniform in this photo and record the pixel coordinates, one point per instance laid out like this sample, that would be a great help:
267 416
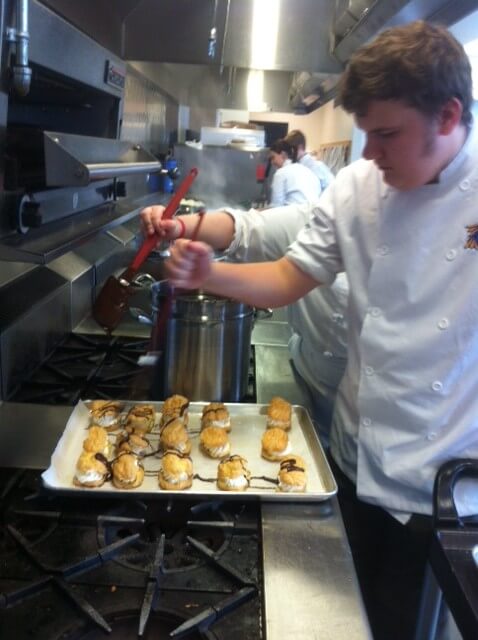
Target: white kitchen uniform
318 344
409 398
293 184
319 169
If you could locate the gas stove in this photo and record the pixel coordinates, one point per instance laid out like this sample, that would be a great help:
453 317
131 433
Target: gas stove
70 568
83 568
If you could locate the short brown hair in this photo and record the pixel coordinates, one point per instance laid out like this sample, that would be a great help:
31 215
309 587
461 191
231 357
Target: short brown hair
282 146
419 63
295 138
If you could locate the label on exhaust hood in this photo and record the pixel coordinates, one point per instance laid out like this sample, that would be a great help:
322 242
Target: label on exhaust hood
114 76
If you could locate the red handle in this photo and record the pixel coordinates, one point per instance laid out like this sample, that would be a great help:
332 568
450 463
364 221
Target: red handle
150 243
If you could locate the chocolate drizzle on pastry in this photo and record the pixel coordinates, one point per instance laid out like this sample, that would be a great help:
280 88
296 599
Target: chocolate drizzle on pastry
289 464
104 460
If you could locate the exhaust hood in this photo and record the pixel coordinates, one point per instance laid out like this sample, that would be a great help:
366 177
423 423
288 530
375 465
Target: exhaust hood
355 23
311 39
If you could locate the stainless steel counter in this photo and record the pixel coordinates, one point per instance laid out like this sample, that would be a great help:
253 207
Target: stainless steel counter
309 581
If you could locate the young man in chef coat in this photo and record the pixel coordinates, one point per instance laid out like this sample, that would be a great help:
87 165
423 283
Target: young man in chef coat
403 224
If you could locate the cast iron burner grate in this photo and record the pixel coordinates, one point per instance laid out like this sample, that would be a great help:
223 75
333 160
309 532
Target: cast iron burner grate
89 367
73 569
93 367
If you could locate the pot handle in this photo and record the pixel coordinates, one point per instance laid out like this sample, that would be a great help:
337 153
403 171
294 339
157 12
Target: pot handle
143 281
445 512
140 316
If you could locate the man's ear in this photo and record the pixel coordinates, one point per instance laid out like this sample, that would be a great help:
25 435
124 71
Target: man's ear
450 116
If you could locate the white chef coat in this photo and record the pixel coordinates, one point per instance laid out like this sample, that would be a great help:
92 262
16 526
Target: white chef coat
409 397
318 344
293 184
318 168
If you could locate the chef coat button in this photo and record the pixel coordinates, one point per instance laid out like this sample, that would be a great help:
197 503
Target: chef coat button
432 435
437 385
383 249
450 254
328 354
375 312
443 323
338 318
465 185
366 422
369 371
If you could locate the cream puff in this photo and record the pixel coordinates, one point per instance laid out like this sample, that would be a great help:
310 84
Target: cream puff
279 414
233 474
215 414
97 441
128 472
275 444
175 406
132 443
105 413
140 419
92 470
214 442
173 435
176 471
292 474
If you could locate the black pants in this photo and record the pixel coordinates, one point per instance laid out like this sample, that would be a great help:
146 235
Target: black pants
390 560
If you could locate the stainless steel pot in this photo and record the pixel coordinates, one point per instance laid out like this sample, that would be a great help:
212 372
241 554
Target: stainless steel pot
208 346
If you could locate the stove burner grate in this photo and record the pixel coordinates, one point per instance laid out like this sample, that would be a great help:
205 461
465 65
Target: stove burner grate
83 552
89 367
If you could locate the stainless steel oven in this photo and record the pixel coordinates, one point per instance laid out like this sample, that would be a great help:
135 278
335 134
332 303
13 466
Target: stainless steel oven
70 186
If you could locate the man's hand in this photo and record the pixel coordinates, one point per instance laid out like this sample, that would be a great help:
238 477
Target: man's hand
151 221
189 265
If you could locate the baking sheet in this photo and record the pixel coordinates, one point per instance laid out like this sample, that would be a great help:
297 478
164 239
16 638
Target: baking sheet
248 423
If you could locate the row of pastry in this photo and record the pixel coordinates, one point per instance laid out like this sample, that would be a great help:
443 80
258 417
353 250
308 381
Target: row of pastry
140 418
108 414
176 472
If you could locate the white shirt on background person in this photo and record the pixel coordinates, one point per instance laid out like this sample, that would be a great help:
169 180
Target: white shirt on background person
319 169
293 183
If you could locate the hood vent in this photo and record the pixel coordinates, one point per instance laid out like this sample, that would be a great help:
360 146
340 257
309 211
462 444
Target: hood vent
309 91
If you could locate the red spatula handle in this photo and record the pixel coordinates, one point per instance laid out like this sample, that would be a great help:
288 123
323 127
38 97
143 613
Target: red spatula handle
151 242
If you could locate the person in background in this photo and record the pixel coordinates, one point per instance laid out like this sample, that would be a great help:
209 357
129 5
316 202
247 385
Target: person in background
402 222
292 183
297 139
318 345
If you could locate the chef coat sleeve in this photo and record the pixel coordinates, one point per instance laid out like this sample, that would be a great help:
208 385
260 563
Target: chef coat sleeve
316 250
265 235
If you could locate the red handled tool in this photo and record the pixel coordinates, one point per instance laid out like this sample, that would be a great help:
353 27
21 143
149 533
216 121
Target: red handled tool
158 335
112 301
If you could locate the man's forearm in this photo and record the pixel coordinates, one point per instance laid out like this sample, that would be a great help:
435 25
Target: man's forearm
217 228
266 284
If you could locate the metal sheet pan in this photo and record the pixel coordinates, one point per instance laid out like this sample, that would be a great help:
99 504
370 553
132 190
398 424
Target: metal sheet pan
248 424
